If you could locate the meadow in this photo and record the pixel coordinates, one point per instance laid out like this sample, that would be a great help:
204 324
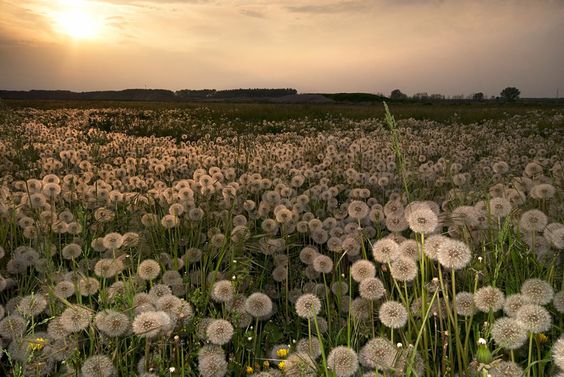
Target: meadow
216 239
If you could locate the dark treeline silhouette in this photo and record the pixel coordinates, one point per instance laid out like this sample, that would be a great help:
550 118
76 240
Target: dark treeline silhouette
195 93
279 95
254 93
235 93
356 97
146 94
113 95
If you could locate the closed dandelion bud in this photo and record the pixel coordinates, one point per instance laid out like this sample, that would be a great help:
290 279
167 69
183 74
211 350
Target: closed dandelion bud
483 354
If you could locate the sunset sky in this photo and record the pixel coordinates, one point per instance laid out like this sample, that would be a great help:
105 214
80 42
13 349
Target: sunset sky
449 47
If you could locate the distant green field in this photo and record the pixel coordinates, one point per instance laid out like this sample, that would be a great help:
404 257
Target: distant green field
259 112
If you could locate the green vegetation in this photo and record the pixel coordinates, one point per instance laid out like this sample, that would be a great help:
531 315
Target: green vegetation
332 246
260 112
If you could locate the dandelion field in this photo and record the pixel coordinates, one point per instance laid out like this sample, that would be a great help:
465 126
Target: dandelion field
136 242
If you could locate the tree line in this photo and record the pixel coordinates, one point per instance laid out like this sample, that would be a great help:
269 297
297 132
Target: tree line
147 94
509 94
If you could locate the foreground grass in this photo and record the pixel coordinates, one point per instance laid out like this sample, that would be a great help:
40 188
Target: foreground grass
374 247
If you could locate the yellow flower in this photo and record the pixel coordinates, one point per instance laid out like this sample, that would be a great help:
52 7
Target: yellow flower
282 352
541 338
281 365
250 370
266 364
36 344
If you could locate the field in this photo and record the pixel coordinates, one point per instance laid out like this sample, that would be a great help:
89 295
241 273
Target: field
216 239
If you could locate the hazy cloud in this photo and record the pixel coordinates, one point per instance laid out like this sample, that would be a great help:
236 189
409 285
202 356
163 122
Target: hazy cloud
252 13
337 7
447 47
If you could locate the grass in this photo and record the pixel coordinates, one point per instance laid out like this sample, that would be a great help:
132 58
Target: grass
207 201
259 112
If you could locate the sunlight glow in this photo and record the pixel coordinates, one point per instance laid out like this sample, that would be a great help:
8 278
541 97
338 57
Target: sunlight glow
77 22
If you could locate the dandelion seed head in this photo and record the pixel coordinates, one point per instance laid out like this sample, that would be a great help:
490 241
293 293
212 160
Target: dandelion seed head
506 369
558 353
403 269
489 298
343 361
372 289
534 318
98 366
464 304
393 314
385 250
323 264
308 306
219 331
537 291
362 269
509 333
378 353
258 305
422 220
148 269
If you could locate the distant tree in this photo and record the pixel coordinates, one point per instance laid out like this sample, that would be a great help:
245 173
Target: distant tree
397 94
437 96
421 96
478 96
510 93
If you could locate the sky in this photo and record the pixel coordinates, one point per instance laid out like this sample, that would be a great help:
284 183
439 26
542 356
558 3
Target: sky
436 46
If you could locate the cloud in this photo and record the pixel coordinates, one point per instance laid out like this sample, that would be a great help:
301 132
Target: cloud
145 3
252 13
314 45
331 8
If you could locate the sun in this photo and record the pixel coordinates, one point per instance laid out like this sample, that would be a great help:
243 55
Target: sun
77 23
